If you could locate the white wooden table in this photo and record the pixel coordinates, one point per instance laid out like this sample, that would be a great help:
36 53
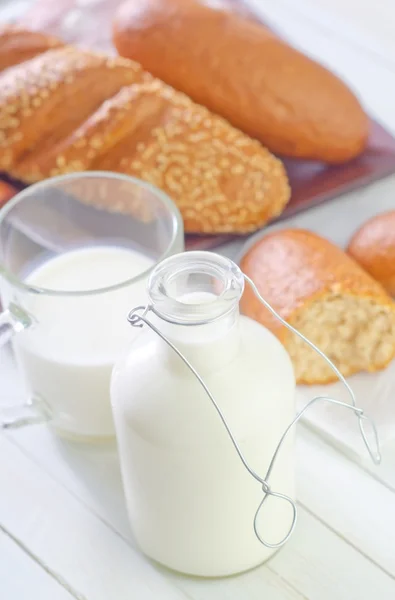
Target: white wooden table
63 527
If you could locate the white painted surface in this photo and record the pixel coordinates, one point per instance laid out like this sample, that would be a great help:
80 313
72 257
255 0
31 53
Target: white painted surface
64 531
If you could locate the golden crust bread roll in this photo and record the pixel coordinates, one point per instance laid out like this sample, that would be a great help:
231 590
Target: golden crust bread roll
326 296
42 100
373 247
18 44
240 70
221 180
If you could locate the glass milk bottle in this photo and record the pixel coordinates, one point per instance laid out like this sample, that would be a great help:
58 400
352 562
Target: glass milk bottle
190 499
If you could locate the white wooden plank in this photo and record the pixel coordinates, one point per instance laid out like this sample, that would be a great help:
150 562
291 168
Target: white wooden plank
259 584
91 473
23 579
316 548
94 560
386 472
73 544
318 562
345 497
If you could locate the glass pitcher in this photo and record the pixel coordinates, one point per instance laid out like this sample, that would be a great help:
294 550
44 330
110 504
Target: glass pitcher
74 252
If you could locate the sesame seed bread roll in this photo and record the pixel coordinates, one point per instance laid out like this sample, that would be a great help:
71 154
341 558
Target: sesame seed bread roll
373 247
42 100
326 296
221 180
239 69
18 44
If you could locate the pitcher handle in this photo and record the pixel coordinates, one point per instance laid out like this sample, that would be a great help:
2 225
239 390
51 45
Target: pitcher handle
12 321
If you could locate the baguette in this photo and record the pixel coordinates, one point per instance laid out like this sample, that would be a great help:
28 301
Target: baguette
18 44
238 69
373 247
325 295
43 99
221 180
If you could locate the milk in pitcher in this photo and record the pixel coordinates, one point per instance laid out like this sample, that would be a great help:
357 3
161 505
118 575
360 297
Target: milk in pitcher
68 356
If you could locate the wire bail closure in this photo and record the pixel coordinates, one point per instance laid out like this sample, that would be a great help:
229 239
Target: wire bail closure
139 320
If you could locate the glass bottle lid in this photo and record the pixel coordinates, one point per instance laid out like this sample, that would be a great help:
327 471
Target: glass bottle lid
195 288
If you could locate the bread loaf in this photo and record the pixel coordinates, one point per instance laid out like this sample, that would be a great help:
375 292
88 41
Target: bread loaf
18 44
42 100
325 295
68 110
373 246
238 69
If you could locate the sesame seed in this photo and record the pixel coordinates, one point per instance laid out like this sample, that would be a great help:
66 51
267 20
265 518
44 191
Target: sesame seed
148 152
181 159
10 123
159 134
178 147
96 142
77 165
194 138
61 161
237 170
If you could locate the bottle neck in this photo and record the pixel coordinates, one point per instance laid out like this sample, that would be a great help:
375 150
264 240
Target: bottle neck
208 347
195 297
